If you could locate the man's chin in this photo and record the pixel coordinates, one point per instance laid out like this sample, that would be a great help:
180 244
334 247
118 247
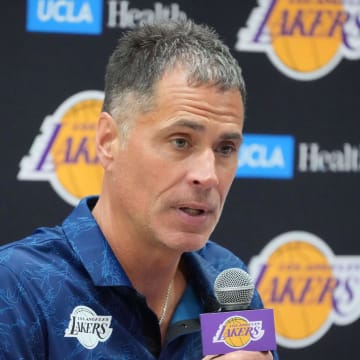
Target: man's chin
191 242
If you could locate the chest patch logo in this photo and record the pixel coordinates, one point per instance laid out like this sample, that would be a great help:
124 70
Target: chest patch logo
88 327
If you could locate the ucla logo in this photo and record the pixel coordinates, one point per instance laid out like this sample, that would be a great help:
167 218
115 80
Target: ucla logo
266 156
237 332
304 39
308 287
65 16
88 327
64 152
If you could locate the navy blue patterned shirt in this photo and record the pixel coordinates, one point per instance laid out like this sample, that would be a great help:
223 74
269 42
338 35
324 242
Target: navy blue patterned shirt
64 295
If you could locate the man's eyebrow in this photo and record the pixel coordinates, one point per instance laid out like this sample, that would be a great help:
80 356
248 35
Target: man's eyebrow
199 127
232 136
189 124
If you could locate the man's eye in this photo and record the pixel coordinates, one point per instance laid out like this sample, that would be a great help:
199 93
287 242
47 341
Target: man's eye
227 149
180 143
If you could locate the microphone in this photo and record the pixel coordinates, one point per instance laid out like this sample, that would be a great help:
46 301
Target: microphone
234 289
235 326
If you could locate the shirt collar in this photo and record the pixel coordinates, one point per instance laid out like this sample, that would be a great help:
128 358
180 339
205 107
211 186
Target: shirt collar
89 243
93 250
201 275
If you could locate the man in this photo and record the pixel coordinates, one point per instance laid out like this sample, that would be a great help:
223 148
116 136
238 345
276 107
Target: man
128 273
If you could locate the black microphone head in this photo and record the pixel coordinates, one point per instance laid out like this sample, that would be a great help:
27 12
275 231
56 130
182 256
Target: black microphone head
234 289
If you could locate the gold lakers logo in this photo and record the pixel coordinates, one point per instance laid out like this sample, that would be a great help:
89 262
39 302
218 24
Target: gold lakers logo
308 287
64 152
237 332
305 39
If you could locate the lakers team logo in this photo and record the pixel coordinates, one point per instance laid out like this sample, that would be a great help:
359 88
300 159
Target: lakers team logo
308 287
304 39
88 327
237 332
64 152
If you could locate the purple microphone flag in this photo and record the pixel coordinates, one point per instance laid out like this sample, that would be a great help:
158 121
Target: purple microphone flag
251 330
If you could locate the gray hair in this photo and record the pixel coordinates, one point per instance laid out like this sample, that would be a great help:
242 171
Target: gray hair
143 55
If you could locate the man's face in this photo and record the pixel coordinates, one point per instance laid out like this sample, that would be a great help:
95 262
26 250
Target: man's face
170 181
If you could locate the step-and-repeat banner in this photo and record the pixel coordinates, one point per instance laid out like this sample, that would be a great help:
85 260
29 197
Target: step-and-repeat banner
293 212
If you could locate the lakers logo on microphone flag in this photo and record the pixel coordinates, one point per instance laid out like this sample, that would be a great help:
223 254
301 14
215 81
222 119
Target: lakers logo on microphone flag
225 332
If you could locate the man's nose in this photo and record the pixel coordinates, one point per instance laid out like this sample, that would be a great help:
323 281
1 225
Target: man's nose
203 170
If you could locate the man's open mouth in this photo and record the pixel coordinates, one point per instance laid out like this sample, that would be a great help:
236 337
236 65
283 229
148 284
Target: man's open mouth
192 212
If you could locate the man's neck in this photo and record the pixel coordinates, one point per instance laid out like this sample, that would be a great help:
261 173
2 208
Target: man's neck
151 269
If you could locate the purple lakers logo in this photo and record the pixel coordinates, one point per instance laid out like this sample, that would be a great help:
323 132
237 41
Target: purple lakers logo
64 152
237 332
304 39
308 287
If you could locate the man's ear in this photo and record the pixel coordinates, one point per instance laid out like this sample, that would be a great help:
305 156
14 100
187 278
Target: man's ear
106 139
